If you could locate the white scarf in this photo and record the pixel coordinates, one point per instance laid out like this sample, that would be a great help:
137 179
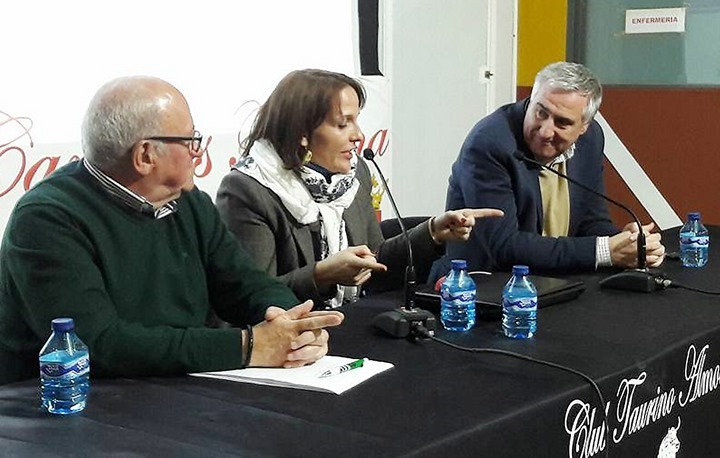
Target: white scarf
325 204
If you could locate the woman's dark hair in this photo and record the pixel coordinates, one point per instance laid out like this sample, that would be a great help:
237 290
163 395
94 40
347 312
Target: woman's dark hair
297 106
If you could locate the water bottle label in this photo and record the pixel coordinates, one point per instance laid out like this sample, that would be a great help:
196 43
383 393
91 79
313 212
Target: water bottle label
71 369
690 240
459 296
525 303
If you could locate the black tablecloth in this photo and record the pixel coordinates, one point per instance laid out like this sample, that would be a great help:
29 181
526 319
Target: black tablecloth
639 348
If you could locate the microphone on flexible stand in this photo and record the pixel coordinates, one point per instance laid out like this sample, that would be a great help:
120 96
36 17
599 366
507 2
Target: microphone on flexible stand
640 279
406 320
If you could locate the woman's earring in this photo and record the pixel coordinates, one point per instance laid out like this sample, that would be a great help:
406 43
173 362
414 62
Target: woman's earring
308 154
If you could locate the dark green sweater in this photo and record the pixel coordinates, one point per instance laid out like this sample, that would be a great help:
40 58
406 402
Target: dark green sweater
139 289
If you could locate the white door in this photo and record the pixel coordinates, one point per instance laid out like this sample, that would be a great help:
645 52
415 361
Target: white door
451 62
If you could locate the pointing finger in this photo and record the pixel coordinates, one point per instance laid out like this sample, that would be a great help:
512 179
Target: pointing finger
371 263
319 321
483 212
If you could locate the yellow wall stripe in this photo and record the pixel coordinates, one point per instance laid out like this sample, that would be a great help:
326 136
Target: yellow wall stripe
542 28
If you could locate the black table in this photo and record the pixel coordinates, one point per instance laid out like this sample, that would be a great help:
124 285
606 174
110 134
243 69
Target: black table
656 358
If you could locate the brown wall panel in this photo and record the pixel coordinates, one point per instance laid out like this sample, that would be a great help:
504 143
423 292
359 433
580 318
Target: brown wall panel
674 134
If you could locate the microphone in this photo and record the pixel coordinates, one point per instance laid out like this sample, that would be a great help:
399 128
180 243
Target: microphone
406 320
639 279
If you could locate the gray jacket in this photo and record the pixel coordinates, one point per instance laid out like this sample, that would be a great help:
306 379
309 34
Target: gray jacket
283 247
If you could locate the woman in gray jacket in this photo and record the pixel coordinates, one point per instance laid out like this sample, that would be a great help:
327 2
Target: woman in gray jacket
299 198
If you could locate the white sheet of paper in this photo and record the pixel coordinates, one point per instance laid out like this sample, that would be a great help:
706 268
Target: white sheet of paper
306 377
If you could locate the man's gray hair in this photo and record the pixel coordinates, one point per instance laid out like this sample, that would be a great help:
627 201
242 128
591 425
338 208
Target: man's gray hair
122 112
570 77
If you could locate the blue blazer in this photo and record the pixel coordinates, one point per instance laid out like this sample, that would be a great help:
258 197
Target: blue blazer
486 174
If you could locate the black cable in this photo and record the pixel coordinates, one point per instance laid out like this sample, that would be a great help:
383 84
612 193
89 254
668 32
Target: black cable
675 255
420 330
691 288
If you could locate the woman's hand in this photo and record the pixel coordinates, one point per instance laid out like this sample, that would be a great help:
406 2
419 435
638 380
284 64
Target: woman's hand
351 266
456 225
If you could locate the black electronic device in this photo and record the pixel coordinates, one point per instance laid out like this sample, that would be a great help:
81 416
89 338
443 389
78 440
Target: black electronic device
489 286
406 320
640 279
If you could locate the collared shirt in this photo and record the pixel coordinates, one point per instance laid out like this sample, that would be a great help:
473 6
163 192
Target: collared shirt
128 197
563 157
602 244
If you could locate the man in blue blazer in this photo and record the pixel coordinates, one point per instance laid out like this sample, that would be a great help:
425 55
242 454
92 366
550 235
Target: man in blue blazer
549 224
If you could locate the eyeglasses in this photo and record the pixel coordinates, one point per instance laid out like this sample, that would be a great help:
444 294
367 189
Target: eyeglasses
195 140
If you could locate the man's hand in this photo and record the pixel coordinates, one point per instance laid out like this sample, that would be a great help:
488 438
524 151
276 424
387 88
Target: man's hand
351 266
457 224
623 247
294 337
654 250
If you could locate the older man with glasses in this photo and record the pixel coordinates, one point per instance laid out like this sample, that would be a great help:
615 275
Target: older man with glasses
123 242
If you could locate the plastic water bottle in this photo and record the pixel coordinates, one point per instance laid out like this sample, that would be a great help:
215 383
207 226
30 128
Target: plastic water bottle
694 242
64 370
457 298
519 298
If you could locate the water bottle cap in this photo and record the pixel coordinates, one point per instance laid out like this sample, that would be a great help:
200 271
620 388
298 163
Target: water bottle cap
458 264
695 216
63 324
521 270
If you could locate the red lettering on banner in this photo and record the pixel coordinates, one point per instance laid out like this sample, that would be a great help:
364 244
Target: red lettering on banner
48 164
32 171
20 172
382 143
204 158
52 165
19 122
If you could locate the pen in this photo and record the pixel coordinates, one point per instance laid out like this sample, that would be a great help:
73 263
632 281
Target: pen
344 368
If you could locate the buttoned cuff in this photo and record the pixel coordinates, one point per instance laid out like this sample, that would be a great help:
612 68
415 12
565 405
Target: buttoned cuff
602 252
